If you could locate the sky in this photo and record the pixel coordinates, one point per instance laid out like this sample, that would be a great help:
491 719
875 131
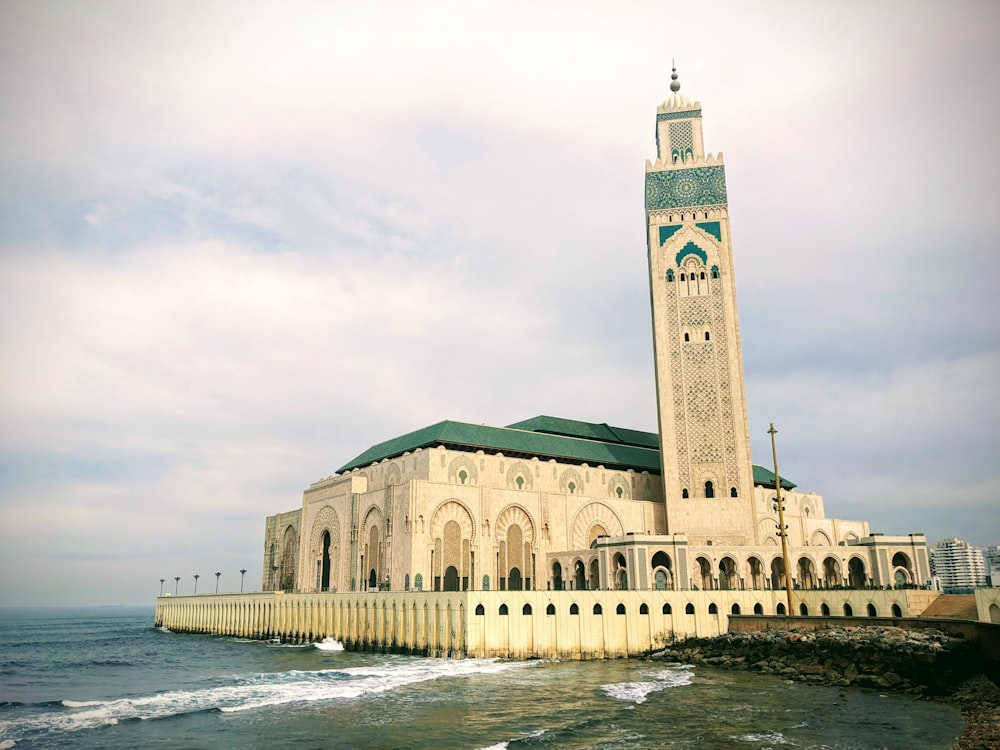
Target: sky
242 242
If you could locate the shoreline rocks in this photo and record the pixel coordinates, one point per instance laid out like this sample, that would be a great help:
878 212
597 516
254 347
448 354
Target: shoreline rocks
921 663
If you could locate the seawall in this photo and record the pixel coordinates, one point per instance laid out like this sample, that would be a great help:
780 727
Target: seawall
506 624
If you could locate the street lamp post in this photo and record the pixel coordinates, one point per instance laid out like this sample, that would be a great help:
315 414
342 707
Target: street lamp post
177 584
217 574
243 572
196 577
782 528
161 585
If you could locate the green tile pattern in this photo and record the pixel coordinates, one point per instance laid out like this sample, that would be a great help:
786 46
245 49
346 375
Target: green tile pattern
661 116
666 232
691 249
680 188
714 228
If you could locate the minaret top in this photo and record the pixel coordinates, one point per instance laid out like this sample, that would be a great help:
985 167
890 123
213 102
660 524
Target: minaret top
676 101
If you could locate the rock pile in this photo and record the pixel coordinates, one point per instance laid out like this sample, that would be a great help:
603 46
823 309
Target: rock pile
920 662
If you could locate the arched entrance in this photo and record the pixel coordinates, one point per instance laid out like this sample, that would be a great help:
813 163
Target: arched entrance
663 577
777 573
807 573
580 575
451 578
325 565
856 576
704 574
557 579
514 581
831 573
621 572
728 579
756 573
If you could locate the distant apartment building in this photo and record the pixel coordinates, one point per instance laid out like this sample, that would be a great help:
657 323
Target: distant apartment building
958 565
991 555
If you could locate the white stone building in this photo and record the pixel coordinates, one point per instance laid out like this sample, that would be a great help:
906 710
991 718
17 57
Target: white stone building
558 504
958 565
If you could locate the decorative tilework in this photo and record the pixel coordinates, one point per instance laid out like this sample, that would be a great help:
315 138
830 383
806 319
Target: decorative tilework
668 231
691 249
661 116
676 188
714 228
681 138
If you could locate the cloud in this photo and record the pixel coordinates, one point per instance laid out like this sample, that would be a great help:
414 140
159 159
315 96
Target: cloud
238 246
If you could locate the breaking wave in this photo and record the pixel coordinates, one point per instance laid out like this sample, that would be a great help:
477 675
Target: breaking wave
250 692
637 692
329 644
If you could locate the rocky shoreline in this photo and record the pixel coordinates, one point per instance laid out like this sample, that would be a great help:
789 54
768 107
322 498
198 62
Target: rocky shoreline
922 663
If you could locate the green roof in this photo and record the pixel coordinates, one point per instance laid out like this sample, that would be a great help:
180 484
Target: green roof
589 431
564 440
766 478
523 442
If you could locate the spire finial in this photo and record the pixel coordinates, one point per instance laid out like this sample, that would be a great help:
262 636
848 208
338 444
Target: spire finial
675 85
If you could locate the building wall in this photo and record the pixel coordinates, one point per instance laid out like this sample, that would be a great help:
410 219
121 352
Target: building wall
511 624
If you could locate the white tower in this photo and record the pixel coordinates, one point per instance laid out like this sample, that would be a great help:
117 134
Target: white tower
701 399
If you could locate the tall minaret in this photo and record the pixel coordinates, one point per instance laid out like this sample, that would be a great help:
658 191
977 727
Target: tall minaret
700 395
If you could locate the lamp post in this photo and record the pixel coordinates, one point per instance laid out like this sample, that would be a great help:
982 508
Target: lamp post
196 577
161 585
243 572
217 574
782 528
177 584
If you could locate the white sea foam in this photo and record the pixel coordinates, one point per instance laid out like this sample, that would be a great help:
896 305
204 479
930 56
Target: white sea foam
637 692
505 745
255 691
7 744
773 738
329 644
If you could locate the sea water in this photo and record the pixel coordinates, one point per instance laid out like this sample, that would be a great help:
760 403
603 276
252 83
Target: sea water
106 678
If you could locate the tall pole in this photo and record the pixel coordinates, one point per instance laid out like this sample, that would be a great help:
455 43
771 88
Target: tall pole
161 585
196 577
217 582
782 528
243 572
177 584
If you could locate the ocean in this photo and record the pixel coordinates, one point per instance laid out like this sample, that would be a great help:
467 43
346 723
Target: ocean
106 678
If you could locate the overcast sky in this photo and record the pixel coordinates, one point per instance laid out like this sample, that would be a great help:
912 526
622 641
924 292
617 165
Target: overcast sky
240 243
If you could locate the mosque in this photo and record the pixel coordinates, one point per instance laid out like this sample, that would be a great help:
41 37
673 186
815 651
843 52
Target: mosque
555 504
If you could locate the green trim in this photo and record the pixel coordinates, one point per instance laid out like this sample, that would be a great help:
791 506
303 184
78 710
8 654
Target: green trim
687 114
691 249
713 228
666 232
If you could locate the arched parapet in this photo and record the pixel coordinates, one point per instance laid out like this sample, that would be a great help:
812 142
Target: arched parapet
571 482
463 470
373 518
520 476
619 486
592 514
453 510
515 515
326 520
